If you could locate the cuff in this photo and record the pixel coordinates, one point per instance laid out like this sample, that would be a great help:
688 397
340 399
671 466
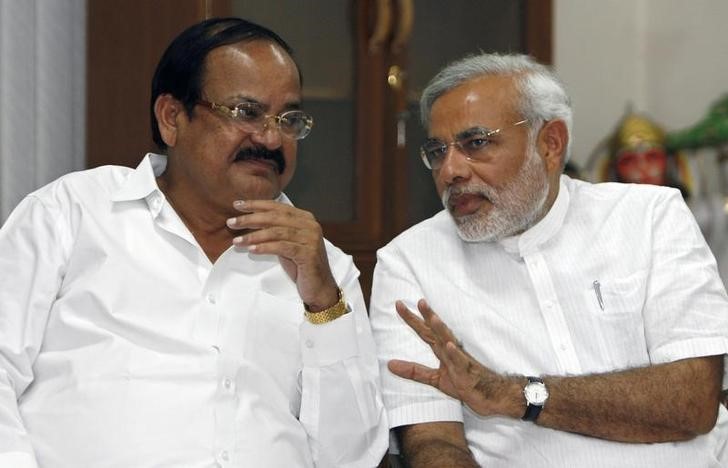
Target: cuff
328 343
425 412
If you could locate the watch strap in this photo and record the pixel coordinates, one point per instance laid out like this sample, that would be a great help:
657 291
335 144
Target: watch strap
532 411
329 314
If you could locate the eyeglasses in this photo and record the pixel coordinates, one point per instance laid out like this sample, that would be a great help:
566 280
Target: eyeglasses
294 124
473 143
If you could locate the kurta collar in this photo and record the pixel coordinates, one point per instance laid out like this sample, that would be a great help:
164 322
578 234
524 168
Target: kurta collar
529 241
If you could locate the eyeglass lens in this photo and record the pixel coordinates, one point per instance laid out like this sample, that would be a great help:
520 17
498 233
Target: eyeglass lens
295 124
472 142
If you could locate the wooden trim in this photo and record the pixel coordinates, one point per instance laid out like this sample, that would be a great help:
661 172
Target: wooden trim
538 29
365 230
217 8
124 43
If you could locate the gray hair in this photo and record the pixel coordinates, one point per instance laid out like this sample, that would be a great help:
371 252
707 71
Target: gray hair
542 95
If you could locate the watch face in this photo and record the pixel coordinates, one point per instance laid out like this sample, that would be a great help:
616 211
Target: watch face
536 393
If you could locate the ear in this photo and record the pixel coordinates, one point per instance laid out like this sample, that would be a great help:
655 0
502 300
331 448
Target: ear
167 109
552 142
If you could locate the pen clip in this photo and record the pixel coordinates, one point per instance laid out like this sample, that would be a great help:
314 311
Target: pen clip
598 292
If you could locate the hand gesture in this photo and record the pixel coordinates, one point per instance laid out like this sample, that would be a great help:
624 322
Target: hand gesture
296 238
459 374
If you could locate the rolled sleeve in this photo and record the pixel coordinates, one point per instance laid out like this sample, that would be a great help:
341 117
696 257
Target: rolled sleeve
407 402
686 311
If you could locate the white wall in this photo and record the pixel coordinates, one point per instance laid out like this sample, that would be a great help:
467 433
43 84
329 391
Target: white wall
669 58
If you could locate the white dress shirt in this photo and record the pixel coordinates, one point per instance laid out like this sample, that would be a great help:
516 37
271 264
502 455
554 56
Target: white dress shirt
122 346
615 276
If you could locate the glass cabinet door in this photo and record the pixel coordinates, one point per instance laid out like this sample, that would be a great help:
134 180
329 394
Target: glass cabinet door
443 32
320 34
365 63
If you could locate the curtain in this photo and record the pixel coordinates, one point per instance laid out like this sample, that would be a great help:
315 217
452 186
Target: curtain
42 94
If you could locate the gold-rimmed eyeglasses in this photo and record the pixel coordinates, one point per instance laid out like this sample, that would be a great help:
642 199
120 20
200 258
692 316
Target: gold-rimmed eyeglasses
474 143
295 124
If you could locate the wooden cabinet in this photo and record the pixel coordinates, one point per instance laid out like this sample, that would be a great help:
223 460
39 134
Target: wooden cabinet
124 43
364 64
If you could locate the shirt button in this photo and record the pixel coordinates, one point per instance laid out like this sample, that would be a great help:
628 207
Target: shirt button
563 347
224 455
211 298
309 343
227 383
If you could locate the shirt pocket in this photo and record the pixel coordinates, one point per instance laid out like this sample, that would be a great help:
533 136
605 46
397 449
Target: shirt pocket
616 312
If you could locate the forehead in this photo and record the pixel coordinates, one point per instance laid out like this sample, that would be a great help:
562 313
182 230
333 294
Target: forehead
255 69
487 101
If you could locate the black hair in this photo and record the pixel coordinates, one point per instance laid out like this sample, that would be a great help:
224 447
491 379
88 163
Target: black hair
180 70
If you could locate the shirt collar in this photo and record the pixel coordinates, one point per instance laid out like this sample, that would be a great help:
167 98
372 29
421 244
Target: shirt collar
530 240
142 181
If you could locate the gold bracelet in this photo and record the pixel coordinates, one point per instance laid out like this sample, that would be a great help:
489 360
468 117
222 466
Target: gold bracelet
327 315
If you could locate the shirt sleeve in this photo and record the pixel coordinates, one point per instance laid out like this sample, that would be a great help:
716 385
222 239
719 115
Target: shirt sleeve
341 404
686 308
30 275
407 402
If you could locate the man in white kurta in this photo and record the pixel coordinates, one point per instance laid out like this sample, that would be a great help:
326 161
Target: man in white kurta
128 347
605 296
185 313
527 305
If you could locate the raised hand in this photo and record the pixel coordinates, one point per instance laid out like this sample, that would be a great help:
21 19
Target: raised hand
460 375
296 237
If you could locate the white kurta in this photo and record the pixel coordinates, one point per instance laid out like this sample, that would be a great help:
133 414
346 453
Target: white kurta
121 345
615 276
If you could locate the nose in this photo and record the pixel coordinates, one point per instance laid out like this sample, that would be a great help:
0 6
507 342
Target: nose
269 135
455 166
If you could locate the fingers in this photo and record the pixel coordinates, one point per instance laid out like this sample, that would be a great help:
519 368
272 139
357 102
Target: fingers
295 236
433 331
415 323
441 331
271 227
456 360
259 214
413 371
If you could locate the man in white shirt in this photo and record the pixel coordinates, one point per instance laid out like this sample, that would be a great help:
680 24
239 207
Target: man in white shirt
556 322
155 317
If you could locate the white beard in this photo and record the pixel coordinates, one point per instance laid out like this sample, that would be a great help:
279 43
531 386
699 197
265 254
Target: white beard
515 208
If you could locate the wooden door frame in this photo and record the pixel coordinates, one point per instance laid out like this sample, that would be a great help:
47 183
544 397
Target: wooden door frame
124 43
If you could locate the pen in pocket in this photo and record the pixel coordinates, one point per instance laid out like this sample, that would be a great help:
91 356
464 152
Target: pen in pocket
598 292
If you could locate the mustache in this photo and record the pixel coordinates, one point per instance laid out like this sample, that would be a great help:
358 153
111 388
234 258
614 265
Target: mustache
487 191
263 153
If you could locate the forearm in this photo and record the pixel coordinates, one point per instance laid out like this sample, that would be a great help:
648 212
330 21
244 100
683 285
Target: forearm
438 453
669 402
435 444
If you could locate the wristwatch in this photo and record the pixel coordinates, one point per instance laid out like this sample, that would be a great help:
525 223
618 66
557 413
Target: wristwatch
327 315
536 395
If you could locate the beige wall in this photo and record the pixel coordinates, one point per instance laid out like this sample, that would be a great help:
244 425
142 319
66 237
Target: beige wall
669 58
